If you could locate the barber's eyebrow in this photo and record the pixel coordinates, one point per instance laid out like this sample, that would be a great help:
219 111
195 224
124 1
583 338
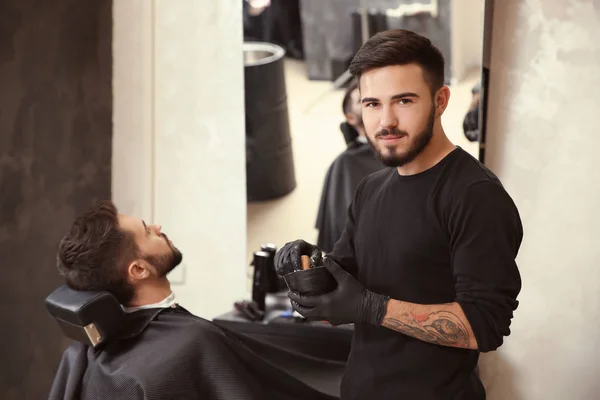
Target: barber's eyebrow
145 227
394 97
403 95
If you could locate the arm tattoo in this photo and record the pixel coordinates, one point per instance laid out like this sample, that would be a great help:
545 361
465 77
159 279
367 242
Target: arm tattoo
440 327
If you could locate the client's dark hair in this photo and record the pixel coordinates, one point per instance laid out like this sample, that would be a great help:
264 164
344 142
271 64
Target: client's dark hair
95 253
346 103
400 47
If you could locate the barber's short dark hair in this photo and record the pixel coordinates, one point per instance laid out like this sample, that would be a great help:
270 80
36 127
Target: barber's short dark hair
346 103
400 47
95 253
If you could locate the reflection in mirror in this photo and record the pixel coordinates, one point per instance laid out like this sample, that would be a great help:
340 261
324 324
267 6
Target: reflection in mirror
306 150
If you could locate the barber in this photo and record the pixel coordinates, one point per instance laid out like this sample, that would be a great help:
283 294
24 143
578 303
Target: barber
425 268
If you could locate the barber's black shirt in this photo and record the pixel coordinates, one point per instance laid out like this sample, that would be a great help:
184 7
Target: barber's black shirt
448 234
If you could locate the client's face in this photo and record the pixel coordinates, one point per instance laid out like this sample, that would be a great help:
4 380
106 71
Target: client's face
355 116
154 246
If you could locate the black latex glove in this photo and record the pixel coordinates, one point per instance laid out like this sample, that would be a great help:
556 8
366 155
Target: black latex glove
288 258
349 302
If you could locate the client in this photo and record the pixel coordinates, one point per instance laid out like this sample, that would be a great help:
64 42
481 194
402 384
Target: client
163 351
345 172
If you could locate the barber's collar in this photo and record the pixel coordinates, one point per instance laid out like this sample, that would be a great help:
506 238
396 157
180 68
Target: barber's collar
362 139
167 302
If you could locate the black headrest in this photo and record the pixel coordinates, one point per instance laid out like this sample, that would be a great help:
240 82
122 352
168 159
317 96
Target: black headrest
90 317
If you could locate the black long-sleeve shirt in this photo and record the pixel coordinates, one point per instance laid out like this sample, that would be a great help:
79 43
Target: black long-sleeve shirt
448 234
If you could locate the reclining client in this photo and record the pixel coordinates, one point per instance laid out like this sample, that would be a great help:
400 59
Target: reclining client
162 351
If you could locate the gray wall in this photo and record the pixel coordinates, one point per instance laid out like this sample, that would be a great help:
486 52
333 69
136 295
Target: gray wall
543 142
55 160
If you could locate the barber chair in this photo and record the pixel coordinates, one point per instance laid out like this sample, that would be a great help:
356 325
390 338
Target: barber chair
95 317
89 317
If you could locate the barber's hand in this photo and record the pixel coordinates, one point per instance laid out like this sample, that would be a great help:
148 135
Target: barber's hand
289 258
349 302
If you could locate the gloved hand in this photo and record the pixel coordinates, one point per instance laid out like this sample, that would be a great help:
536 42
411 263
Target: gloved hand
349 302
288 258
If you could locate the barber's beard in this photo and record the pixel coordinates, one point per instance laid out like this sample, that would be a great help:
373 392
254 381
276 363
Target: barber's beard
417 144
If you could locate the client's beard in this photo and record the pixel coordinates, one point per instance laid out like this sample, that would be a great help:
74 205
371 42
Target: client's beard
359 121
165 263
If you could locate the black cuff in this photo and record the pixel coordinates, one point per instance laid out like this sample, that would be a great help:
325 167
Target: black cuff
372 308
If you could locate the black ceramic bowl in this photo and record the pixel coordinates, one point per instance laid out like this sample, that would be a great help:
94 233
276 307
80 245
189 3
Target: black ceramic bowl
311 282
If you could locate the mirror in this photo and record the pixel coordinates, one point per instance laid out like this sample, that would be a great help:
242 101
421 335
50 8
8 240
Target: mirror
296 125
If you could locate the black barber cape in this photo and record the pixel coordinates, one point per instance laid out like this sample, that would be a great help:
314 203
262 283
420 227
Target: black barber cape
172 354
341 181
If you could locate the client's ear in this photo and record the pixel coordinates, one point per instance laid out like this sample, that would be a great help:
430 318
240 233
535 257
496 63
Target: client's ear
351 119
138 270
